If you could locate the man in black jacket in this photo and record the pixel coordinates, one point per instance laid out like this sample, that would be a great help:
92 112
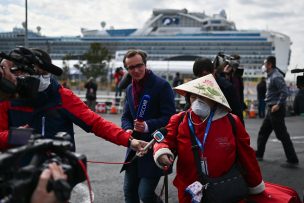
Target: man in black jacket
204 66
261 90
298 105
274 120
91 87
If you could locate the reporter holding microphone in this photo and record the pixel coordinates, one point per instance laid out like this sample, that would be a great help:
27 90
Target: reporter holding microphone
148 107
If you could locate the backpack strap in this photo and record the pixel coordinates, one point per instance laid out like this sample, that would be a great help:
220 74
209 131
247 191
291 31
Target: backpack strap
232 122
195 148
182 117
203 178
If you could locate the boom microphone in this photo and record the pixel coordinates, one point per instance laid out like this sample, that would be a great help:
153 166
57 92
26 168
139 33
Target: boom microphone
297 70
142 107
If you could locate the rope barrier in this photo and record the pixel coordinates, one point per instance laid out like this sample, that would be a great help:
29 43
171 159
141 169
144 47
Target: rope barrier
105 162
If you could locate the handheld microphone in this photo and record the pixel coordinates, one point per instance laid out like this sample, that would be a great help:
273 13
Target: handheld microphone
158 136
297 70
142 107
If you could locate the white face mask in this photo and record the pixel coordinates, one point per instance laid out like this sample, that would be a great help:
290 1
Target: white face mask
200 108
45 81
263 69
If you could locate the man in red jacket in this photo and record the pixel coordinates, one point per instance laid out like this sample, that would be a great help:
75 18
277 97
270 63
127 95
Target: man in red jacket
43 104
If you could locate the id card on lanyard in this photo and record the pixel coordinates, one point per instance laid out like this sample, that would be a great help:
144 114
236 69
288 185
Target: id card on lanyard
204 164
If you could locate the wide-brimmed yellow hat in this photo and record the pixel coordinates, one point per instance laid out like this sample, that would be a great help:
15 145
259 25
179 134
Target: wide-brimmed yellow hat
205 86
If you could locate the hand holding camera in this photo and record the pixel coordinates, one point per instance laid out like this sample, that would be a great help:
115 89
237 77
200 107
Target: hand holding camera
48 163
41 194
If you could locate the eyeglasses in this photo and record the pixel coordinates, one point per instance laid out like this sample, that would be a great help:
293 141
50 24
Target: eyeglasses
139 65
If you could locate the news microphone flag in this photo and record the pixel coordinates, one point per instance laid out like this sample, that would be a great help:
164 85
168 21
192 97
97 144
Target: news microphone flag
140 115
142 107
158 136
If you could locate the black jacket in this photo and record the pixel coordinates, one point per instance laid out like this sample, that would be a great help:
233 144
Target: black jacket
298 104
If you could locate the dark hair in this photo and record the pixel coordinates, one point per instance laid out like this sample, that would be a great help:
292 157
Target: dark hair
202 64
272 60
132 53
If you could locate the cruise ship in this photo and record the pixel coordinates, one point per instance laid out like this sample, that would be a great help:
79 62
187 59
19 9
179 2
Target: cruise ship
170 35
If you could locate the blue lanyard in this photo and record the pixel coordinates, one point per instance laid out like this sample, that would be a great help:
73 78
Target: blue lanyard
201 146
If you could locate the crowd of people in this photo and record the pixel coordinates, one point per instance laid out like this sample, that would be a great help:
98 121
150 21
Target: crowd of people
212 121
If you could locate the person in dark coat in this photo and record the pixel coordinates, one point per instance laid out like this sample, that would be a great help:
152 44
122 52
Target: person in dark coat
91 87
298 105
142 175
261 91
274 120
204 66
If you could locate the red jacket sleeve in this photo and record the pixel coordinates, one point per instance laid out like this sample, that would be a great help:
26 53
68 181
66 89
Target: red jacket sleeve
99 126
4 105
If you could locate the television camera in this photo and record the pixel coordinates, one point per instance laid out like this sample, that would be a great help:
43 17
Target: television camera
221 60
300 78
20 168
24 61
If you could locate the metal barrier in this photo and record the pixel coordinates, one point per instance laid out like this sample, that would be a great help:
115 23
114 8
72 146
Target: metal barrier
106 101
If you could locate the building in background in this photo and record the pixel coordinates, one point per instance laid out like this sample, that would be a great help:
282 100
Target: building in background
170 35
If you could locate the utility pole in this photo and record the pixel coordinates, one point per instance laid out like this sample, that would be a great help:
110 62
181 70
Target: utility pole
25 27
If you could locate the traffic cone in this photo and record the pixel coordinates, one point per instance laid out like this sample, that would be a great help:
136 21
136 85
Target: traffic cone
113 109
252 113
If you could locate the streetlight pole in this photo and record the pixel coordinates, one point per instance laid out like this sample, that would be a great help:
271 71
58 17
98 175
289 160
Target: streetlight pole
25 26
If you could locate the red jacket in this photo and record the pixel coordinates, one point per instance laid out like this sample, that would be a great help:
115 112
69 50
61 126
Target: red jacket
220 151
61 109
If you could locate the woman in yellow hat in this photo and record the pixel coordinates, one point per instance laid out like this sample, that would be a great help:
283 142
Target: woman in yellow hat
219 145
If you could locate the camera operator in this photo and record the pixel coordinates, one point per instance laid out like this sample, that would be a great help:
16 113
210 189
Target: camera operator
41 195
221 67
298 104
234 73
43 104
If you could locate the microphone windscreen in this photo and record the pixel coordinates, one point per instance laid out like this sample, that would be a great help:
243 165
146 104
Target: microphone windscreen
142 107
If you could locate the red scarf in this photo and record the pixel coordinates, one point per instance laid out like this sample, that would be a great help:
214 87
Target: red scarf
138 87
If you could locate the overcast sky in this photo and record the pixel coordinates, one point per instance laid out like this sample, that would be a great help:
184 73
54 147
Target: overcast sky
67 17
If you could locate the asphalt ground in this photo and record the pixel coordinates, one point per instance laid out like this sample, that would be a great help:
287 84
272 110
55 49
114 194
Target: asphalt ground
107 181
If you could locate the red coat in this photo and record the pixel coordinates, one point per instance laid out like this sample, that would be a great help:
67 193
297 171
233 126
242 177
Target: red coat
14 113
220 151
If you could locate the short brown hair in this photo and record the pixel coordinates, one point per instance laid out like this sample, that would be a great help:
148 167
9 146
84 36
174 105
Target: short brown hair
133 52
272 60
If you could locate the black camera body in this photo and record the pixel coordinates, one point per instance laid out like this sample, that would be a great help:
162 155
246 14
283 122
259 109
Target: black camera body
300 78
25 85
21 167
221 60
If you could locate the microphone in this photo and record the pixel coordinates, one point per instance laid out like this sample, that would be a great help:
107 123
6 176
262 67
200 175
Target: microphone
297 70
158 136
142 107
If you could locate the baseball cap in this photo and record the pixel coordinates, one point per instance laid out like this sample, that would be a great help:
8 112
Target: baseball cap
45 62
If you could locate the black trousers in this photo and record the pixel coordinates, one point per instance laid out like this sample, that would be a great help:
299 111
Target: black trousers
275 121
